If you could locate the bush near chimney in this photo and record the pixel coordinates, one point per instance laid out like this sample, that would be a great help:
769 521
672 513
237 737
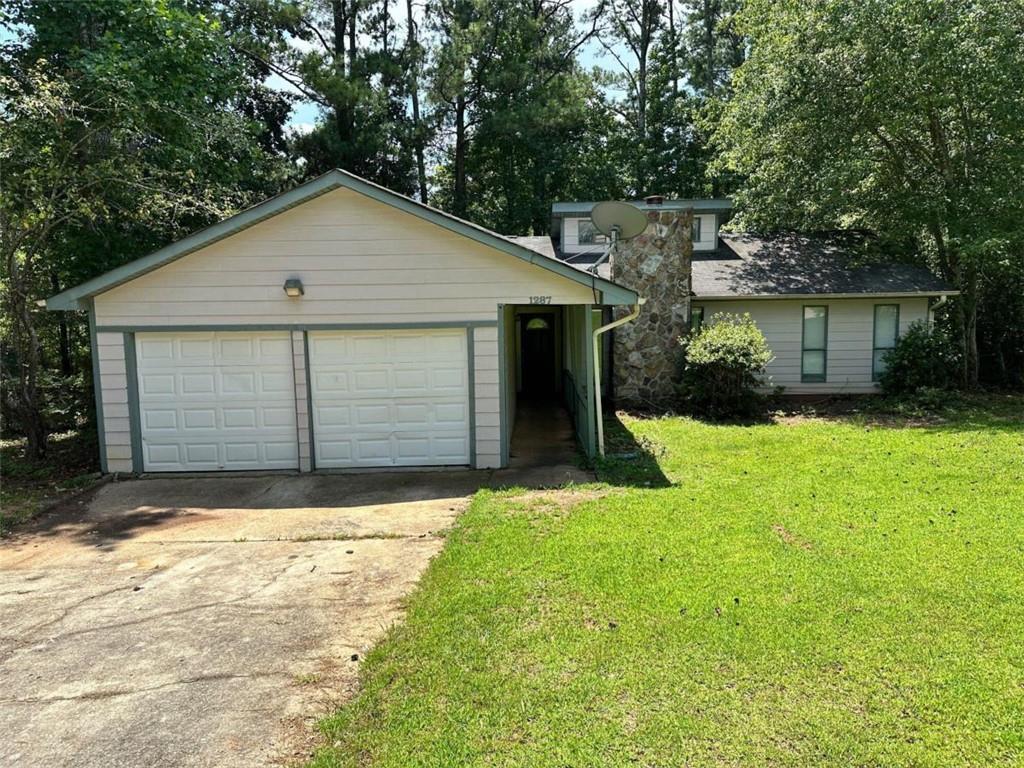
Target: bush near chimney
724 364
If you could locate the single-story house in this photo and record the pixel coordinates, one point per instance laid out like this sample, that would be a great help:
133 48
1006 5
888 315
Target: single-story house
338 325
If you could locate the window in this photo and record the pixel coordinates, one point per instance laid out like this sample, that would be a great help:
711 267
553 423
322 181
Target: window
887 330
814 355
696 318
695 235
587 233
537 324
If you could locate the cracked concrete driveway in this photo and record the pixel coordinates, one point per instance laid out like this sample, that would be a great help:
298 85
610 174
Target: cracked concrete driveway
208 621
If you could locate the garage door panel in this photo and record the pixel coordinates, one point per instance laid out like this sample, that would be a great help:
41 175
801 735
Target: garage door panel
390 398
212 401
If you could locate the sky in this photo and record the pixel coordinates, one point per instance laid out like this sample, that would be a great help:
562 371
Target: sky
305 113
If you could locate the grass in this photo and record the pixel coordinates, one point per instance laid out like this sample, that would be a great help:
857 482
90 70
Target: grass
814 592
29 486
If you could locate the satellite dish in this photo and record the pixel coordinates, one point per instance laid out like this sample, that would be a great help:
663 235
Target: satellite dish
619 221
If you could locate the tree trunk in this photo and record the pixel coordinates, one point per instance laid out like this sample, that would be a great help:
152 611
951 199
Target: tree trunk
460 202
414 87
67 367
25 401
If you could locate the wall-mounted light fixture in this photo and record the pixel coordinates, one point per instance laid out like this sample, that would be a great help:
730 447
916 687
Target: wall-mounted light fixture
293 287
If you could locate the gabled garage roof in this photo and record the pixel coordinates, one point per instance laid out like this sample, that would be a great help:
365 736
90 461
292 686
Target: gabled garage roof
76 298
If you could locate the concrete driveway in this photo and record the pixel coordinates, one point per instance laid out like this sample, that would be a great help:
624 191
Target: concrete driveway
209 621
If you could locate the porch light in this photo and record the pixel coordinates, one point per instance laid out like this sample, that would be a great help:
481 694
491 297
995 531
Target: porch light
293 287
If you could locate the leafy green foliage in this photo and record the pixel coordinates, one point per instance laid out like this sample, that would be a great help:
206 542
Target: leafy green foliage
724 364
901 117
923 358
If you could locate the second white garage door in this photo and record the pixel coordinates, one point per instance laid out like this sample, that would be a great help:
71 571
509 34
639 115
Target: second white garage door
390 398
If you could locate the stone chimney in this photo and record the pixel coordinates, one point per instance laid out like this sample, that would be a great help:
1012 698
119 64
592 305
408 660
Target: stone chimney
657 265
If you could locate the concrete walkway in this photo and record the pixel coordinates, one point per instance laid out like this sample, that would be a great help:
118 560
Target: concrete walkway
210 621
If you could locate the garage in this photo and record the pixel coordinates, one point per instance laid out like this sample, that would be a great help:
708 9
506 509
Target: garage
216 401
390 397
336 326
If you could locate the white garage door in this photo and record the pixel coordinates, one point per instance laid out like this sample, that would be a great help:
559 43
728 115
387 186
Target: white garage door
390 398
216 401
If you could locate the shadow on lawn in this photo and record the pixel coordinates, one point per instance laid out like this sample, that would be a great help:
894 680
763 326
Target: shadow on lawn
628 461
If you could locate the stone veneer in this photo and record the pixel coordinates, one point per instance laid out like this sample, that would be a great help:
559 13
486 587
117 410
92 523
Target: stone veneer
647 355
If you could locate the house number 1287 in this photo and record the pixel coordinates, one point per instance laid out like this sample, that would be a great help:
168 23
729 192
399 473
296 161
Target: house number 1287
540 299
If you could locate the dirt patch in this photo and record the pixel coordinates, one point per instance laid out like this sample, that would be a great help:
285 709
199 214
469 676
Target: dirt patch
790 538
565 498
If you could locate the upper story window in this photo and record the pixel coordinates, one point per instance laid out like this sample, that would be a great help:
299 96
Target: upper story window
588 234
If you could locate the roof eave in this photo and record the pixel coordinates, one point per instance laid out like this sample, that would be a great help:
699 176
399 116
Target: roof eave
860 295
76 298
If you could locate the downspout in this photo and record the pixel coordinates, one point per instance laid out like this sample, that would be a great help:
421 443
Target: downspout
597 368
931 310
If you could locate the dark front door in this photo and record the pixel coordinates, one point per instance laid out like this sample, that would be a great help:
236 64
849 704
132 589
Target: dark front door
538 350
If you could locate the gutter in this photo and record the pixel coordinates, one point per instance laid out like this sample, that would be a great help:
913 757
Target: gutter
597 367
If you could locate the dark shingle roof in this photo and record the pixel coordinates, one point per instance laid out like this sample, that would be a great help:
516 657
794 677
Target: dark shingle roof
797 264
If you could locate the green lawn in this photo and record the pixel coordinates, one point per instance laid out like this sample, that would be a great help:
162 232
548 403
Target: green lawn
805 593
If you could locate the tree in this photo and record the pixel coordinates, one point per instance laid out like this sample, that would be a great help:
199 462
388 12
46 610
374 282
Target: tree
905 116
121 130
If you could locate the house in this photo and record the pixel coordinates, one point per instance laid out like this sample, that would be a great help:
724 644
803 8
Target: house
339 325
827 317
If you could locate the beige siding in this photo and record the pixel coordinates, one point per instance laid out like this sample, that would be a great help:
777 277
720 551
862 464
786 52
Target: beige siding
708 232
850 333
487 398
570 235
360 261
114 395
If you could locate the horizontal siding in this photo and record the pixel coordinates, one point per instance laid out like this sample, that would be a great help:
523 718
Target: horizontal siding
487 408
708 235
360 261
850 334
114 396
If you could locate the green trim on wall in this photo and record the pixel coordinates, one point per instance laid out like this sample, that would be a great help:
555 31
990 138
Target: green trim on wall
97 386
503 425
813 378
590 434
131 367
309 403
471 353
335 179
228 327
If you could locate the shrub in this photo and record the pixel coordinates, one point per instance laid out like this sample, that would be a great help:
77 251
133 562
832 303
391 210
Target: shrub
923 359
724 362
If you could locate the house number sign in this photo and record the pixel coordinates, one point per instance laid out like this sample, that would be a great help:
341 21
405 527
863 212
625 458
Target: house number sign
540 299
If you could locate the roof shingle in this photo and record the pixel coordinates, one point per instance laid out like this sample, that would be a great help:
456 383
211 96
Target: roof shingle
797 264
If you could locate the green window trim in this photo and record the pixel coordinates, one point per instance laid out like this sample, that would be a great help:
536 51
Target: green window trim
877 352
696 318
814 350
